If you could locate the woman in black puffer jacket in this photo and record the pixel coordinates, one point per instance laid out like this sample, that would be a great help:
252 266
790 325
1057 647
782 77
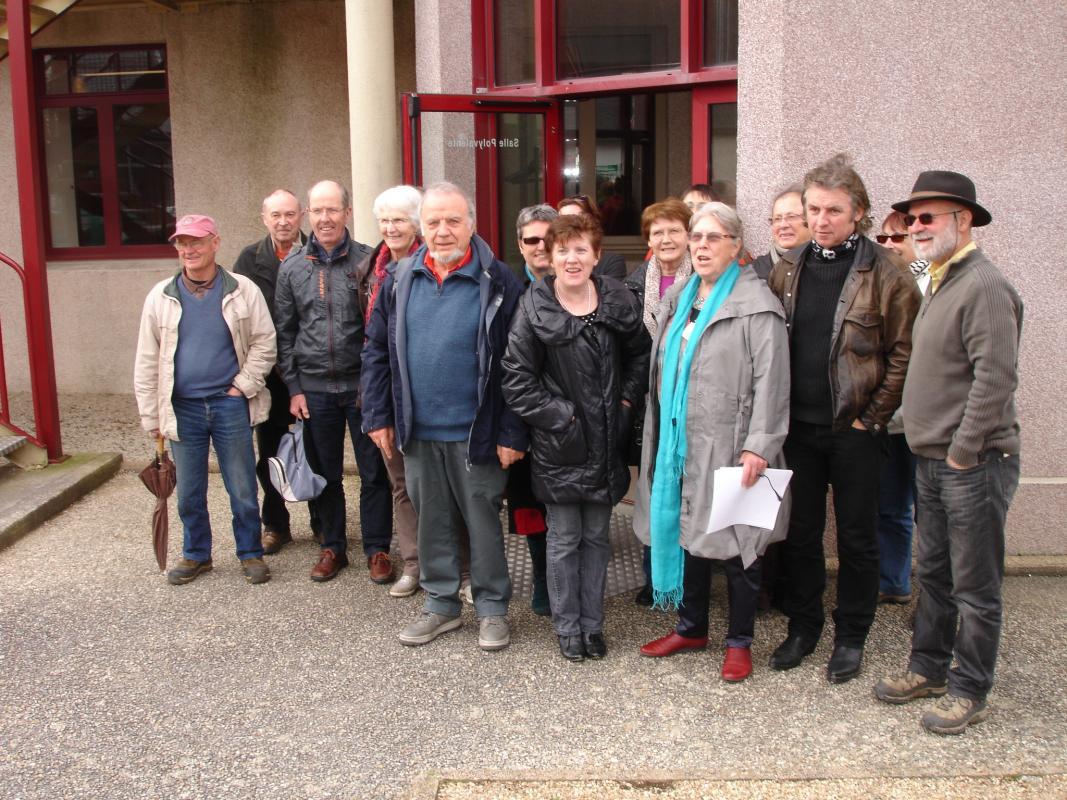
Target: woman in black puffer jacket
576 365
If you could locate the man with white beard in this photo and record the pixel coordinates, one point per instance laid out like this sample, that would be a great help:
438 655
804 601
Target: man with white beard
960 421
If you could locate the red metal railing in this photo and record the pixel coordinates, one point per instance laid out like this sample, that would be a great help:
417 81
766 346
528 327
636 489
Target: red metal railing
32 274
5 402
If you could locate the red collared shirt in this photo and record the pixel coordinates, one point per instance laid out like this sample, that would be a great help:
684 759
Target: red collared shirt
467 258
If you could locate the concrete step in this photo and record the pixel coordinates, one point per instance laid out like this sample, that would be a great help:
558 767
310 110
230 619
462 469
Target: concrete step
29 497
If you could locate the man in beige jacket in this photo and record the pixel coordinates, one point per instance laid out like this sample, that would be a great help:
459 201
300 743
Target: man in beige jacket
205 347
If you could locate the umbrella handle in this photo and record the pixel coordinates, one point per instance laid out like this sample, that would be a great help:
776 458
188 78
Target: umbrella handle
160 446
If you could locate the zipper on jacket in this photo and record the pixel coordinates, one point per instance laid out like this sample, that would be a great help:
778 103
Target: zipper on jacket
329 319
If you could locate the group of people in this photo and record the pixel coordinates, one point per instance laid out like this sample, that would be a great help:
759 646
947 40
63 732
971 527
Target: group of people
884 370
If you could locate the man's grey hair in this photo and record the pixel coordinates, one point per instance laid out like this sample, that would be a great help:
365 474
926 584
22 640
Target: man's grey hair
538 213
346 196
275 193
446 187
726 217
405 199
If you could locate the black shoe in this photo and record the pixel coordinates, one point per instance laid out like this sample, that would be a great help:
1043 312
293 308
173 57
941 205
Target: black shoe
571 648
644 596
792 651
539 601
844 664
595 646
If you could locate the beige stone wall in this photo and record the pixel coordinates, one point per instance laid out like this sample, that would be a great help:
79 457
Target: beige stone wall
258 98
976 87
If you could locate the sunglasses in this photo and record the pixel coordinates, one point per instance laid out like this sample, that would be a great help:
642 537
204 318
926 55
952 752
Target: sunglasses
927 218
532 241
897 238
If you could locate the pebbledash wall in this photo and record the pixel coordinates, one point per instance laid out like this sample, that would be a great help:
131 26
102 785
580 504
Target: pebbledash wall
903 86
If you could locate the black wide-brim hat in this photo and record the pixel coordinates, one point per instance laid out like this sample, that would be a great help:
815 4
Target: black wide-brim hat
937 184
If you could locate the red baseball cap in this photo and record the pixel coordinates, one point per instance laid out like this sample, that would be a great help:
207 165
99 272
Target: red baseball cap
196 225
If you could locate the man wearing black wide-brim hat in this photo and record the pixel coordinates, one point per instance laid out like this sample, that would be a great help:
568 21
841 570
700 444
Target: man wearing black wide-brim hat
960 421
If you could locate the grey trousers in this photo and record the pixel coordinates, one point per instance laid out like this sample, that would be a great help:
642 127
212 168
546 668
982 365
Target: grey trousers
578 554
448 496
960 566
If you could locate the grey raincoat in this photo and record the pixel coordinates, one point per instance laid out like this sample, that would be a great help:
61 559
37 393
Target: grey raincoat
738 400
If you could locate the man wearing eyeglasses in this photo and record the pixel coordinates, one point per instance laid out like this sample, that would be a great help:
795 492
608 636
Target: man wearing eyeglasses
320 338
960 421
282 215
205 346
849 307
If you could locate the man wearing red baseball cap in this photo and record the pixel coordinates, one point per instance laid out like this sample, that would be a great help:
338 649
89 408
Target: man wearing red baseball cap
205 346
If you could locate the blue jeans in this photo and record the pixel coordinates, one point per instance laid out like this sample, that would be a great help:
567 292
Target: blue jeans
223 422
896 500
330 413
960 567
578 554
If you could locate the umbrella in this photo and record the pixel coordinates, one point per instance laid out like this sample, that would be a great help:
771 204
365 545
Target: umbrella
159 477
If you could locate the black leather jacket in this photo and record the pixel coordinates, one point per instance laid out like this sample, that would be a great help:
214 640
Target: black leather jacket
569 389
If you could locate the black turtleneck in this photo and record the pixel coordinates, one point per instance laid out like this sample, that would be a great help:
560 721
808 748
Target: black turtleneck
818 294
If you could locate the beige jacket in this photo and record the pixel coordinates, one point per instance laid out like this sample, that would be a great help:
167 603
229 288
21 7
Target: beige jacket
249 321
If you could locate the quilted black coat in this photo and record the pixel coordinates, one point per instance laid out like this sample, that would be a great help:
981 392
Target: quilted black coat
567 381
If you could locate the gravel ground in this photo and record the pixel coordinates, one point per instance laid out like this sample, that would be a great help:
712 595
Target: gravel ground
115 684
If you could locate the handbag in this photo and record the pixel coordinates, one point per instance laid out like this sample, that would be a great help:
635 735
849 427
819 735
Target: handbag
290 472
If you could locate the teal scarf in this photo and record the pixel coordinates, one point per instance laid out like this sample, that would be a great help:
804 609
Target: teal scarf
666 503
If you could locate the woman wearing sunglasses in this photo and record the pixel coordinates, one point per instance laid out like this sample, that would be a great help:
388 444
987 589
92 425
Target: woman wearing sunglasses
575 367
896 487
718 397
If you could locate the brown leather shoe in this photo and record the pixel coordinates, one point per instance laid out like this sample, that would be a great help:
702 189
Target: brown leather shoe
274 541
381 568
328 565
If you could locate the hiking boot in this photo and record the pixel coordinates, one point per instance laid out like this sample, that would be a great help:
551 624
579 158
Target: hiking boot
493 633
187 571
255 570
886 598
427 627
904 686
952 714
274 541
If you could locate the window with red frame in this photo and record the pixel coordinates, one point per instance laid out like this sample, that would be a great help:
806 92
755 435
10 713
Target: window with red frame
106 144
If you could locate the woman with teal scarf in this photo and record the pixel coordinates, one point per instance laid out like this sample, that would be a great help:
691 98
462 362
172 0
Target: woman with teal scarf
718 397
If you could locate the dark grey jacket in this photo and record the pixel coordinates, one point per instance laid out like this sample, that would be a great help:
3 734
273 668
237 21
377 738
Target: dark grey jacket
318 317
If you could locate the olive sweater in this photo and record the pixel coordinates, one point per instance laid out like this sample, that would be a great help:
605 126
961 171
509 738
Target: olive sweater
959 395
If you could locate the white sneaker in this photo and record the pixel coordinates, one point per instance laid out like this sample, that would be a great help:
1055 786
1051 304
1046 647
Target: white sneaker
493 633
405 587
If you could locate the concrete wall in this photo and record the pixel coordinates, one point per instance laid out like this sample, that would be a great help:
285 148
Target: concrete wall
258 98
976 87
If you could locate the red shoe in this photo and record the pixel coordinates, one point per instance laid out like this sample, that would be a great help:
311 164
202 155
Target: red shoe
737 665
673 643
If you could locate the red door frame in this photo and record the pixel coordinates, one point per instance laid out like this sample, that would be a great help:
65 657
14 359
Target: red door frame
703 97
486 197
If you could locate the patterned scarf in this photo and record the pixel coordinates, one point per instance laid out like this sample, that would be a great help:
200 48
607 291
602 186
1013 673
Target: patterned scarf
836 252
668 559
653 275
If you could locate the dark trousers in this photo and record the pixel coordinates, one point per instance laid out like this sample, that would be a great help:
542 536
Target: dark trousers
268 436
849 461
330 413
742 587
960 567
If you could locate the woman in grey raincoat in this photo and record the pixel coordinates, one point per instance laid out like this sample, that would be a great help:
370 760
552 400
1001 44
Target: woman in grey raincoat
718 397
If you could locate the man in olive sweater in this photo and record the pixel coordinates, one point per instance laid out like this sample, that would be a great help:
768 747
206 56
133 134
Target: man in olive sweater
960 421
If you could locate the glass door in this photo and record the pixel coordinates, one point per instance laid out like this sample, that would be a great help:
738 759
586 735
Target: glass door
505 151
715 139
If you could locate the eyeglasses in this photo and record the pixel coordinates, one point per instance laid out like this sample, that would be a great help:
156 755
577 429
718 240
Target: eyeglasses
326 212
897 238
785 219
926 218
664 234
711 238
393 222
532 241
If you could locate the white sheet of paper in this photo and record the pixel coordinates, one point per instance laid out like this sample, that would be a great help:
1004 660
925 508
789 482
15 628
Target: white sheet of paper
735 505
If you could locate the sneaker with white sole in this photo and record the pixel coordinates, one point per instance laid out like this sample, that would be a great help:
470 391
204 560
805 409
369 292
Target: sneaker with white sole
493 633
406 586
427 627
905 686
952 714
466 594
